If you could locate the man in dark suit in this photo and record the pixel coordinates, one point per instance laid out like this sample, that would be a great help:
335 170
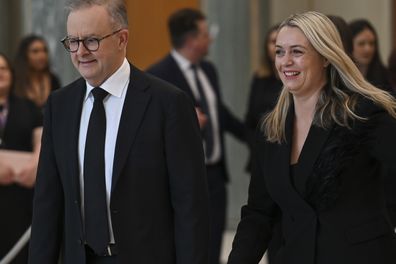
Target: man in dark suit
186 68
121 176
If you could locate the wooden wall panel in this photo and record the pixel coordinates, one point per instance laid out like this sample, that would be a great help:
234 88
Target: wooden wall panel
149 38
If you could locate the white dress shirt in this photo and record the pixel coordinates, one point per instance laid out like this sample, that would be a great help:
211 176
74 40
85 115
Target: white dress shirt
185 67
116 85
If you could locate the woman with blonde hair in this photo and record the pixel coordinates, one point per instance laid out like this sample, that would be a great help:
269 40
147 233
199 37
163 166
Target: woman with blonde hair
319 157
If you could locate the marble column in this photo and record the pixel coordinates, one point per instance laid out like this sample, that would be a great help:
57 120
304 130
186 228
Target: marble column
11 26
232 53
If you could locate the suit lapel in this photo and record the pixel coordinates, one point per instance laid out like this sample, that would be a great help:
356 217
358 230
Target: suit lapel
279 168
279 165
313 145
180 81
71 140
135 104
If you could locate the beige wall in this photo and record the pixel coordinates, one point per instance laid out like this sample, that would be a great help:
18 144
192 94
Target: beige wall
378 12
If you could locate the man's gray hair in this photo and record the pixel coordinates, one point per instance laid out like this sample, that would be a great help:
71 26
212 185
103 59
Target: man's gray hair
115 8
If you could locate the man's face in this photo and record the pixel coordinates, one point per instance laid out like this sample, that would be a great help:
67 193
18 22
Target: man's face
96 66
201 41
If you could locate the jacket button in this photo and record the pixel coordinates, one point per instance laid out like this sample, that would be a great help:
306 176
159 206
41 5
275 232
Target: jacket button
80 241
114 211
75 201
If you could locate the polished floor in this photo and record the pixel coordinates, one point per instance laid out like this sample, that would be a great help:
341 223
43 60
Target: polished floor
227 242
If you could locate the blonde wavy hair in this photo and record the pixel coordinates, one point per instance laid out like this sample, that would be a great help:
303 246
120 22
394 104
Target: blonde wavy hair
345 83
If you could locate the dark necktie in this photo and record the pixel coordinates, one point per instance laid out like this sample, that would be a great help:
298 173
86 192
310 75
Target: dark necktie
203 104
96 222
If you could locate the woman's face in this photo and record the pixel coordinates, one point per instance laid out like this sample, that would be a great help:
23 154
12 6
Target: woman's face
271 45
301 68
5 77
364 47
38 55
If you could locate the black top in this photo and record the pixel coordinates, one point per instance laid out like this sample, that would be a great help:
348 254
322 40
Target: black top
264 94
379 78
15 201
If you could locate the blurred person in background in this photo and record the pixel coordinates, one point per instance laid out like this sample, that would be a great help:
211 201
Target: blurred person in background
366 55
392 70
264 91
34 78
265 86
345 33
20 129
186 67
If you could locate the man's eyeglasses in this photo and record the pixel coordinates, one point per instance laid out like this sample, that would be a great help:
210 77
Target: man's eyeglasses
90 43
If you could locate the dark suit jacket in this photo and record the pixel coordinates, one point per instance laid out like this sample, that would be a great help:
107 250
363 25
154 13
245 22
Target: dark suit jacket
335 212
168 70
159 200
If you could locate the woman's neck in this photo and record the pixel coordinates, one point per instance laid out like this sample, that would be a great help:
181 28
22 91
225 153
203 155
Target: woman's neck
304 107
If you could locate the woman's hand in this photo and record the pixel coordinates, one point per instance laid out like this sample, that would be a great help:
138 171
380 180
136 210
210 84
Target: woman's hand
6 174
27 176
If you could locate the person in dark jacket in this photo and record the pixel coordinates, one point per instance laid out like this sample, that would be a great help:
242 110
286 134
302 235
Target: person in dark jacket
319 158
366 55
186 68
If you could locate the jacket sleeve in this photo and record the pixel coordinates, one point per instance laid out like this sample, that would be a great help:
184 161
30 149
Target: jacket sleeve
187 179
384 151
255 228
48 202
233 124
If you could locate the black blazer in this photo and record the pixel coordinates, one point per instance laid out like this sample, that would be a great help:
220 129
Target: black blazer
159 199
168 70
336 211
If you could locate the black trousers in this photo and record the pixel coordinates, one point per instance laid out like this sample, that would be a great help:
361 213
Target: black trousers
218 205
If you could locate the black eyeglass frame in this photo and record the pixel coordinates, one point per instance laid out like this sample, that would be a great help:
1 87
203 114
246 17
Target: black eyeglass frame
98 40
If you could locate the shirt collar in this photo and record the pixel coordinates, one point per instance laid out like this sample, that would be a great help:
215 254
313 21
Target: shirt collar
183 63
116 83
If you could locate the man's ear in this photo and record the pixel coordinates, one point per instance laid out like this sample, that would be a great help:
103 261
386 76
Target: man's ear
123 38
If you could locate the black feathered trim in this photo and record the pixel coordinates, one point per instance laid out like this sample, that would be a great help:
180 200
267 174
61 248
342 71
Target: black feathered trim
342 146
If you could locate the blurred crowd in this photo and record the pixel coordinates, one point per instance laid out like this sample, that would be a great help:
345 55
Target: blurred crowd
27 81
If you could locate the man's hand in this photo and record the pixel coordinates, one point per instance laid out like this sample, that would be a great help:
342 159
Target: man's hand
202 118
